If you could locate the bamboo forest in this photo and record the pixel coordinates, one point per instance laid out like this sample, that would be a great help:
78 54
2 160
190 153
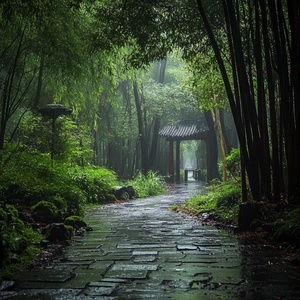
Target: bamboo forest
111 102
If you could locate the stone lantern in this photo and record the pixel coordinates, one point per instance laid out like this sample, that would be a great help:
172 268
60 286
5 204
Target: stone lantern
53 111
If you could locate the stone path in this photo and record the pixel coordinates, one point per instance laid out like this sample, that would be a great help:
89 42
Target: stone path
142 250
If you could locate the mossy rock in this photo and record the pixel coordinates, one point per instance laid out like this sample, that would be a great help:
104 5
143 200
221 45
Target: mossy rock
75 221
58 232
45 211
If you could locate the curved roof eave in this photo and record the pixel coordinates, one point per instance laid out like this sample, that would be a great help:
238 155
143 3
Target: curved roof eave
181 132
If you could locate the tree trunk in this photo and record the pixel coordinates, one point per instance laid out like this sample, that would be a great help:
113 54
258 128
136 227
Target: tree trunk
276 162
142 136
155 137
275 64
227 144
40 84
242 106
213 155
222 143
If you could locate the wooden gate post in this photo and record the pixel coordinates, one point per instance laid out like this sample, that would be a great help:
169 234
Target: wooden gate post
208 160
171 161
177 161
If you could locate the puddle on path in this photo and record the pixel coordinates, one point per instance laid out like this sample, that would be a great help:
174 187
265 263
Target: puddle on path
142 250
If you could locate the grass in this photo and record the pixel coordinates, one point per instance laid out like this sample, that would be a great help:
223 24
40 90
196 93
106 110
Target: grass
151 184
221 199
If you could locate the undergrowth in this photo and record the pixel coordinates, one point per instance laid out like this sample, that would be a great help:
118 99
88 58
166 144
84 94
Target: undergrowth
222 200
20 241
151 184
34 188
288 228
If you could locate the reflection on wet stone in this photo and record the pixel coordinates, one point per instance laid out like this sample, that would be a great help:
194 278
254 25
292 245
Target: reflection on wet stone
142 250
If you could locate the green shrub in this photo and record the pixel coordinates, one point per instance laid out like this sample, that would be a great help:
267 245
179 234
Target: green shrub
151 184
9 216
96 183
288 228
59 202
20 239
233 163
227 195
222 199
27 179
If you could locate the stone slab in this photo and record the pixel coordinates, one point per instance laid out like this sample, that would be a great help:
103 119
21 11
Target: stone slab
44 276
141 252
134 267
127 274
145 246
144 258
99 289
186 247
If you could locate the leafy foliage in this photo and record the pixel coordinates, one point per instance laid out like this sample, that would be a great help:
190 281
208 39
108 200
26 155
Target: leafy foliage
69 142
151 184
96 183
51 188
28 178
222 199
288 228
18 238
233 163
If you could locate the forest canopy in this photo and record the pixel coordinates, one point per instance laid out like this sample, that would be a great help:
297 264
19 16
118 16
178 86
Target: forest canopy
256 46
121 67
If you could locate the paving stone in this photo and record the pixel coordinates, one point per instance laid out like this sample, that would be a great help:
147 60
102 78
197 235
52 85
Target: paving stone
103 284
98 289
144 258
91 245
79 281
141 250
171 272
130 271
186 247
44 276
114 280
136 252
116 256
171 257
98 266
134 267
78 262
43 294
128 274
145 246
208 244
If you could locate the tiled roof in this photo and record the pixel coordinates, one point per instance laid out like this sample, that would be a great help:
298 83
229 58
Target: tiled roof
183 132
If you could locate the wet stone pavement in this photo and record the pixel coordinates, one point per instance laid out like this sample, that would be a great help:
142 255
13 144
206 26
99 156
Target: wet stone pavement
142 250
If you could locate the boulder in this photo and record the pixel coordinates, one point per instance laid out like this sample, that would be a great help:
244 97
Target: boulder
58 232
75 221
45 212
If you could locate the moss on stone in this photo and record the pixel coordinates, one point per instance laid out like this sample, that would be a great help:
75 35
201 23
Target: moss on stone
45 211
75 221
